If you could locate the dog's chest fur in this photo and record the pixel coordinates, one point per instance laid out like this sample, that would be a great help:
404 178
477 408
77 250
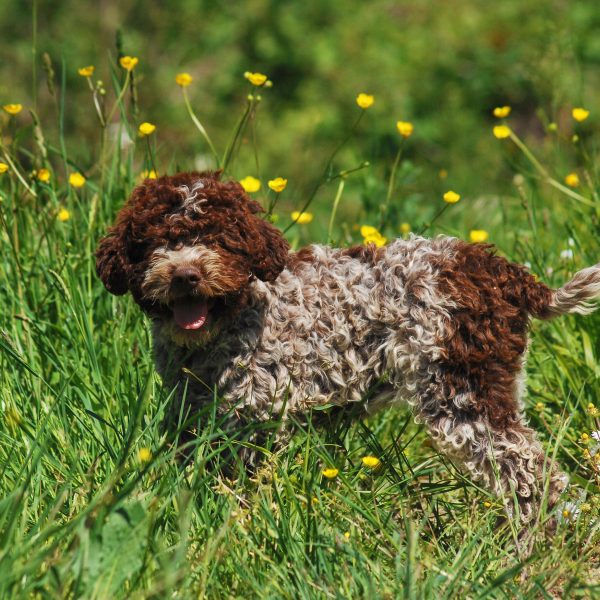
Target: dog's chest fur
334 328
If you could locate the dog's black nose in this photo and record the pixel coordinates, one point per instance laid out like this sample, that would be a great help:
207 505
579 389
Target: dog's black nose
185 278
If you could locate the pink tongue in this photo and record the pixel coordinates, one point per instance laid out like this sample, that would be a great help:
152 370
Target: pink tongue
190 314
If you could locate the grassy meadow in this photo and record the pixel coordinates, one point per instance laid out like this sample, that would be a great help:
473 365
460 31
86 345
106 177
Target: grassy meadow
465 119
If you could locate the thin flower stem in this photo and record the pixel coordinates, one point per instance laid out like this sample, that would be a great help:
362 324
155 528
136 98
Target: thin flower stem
150 155
119 98
391 183
336 201
544 173
435 218
323 177
236 133
96 103
20 177
200 127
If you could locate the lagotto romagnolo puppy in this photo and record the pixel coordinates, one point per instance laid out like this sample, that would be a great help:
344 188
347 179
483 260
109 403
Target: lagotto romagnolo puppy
439 324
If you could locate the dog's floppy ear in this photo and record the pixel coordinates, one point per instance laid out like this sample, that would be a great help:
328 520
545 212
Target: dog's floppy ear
110 263
270 251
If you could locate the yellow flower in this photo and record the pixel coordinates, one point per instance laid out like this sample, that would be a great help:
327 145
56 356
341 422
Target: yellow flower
128 62
372 236
371 461
539 406
330 473
148 174
586 454
43 175
552 126
3 168
585 438
256 79
451 197
478 235
183 79
487 504
502 111
365 100
367 230
250 184
572 180
405 228
377 239
405 128
580 114
302 218
63 215
86 71
144 455
77 180
347 535
501 131
146 129
13 109
278 184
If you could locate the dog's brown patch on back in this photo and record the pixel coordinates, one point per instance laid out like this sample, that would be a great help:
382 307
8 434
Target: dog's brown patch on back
487 332
366 253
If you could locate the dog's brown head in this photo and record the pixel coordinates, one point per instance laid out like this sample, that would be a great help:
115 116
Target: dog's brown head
186 247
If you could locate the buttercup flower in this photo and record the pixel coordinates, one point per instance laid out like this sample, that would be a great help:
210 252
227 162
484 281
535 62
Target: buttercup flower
63 215
77 180
405 128
302 218
365 100
502 111
330 473
250 184
86 71
256 79
278 184
146 129
372 236
151 174
478 235
128 62
501 131
183 79
451 197
372 462
572 180
539 406
43 175
3 168
404 228
144 455
13 109
580 114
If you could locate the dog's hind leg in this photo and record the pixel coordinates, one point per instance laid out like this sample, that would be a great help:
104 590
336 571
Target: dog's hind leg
489 439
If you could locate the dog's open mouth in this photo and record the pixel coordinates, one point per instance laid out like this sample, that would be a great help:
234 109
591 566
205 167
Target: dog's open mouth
190 313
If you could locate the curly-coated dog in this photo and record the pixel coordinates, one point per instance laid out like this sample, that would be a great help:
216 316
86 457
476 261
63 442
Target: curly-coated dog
437 323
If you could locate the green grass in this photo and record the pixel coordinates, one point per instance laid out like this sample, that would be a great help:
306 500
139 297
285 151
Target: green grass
81 515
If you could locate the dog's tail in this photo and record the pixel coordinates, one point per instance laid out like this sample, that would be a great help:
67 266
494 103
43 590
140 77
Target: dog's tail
573 297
